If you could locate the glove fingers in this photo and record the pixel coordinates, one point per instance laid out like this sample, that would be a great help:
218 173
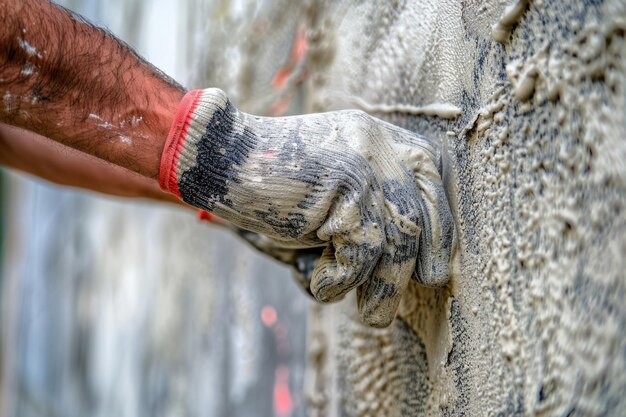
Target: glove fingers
435 217
355 234
342 267
437 234
378 297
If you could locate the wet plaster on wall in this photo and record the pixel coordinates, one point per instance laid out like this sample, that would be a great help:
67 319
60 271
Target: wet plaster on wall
512 13
533 324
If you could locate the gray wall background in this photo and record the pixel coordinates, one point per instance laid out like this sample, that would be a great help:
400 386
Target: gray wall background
118 308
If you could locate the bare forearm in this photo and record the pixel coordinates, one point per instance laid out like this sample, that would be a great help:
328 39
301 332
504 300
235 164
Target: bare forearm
33 154
71 82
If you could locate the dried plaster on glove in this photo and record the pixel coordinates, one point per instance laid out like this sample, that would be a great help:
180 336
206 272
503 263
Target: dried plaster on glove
561 175
379 144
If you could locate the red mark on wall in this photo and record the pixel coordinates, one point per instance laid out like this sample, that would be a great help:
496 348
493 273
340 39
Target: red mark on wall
283 404
281 79
280 107
269 316
298 52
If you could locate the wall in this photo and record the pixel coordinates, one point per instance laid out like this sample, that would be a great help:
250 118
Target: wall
533 123
527 98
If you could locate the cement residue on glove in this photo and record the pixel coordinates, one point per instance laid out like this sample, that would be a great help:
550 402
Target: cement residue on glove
366 190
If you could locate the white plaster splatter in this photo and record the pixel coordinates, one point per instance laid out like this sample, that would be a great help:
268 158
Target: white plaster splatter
118 129
8 102
512 13
106 125
443 110
135 120
28 69
28 48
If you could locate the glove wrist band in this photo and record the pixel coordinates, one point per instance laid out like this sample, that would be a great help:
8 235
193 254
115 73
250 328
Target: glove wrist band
190 121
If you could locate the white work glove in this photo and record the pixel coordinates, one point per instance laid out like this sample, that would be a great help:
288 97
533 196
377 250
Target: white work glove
369 191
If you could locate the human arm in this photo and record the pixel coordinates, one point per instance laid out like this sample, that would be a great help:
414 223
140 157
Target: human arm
33 154
76 84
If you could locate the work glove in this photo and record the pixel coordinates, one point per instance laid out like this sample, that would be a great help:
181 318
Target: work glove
369 192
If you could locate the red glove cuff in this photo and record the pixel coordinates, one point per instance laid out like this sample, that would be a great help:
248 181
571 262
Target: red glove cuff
204 215
168 176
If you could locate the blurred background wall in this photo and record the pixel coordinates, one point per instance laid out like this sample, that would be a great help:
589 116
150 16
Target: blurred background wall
119 308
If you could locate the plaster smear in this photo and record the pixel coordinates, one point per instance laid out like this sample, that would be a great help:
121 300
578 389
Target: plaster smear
511 15
443 110
561 176
118 129
388 65
8 102
28 48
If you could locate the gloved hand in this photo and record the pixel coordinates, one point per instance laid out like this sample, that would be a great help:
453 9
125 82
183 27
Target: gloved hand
367 190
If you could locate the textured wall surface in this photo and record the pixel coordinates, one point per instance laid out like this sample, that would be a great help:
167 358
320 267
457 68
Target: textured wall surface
534 321
528 100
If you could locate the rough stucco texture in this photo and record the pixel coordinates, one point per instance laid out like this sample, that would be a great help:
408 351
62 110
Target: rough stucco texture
534 321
